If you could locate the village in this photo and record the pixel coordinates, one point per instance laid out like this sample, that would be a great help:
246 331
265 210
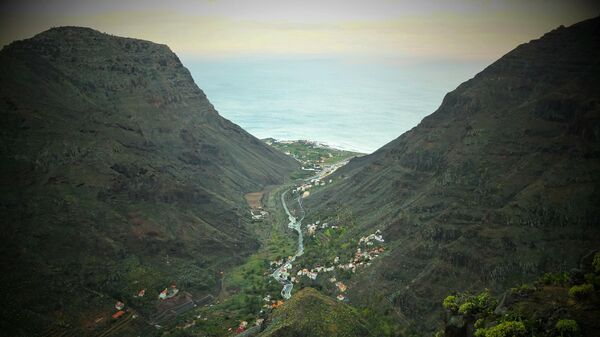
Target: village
173 304
170 302
368 248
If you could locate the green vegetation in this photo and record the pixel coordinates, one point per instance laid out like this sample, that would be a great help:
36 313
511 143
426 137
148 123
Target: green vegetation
483 192
311 154
245 286
581 291
310 313
123 177
504 329
596 263
523 289
471 305
567 328
530 311
556 279
450 303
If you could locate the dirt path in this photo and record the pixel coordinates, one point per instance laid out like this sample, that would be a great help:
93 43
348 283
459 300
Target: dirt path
254 199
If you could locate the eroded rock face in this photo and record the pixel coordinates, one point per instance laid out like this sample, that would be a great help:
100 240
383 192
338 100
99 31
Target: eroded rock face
496 186
115 169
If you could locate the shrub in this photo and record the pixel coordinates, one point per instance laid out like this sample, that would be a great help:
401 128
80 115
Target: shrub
581 291
554 278
471 305
480 332
567 328
593 279
485 302
523 289
596 263
450 303
467 308
507 329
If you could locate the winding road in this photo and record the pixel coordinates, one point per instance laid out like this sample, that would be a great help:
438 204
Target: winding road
294 224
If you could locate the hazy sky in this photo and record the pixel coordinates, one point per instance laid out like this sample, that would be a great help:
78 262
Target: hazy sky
446 29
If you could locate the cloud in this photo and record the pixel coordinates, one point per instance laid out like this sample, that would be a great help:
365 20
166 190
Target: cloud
453 29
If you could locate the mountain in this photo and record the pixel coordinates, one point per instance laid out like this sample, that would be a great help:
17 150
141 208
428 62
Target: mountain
498 185
118 175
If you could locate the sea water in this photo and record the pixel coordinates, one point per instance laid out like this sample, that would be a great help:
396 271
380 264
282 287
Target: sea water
355 105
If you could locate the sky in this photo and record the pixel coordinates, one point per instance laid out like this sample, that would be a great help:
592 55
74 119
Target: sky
456 30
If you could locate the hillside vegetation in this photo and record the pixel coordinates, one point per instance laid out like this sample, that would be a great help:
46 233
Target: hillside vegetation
498 185
563 304
311 314
118 175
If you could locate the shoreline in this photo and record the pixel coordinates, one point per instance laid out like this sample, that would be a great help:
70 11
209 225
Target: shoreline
320 144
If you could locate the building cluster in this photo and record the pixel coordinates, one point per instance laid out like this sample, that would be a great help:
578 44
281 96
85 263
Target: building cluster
168 292
365 252
315 182
313 273
258 214
312 228
284 267
363 256
371 239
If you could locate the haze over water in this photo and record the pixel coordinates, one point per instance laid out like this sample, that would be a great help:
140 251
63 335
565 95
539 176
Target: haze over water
351 105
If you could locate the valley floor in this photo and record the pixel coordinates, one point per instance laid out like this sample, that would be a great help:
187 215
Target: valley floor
249 292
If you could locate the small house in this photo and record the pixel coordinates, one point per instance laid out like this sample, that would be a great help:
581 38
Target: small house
118 314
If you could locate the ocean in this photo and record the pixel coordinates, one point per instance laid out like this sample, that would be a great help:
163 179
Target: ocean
358 105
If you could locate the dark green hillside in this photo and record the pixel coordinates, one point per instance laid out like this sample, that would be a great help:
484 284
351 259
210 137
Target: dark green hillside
497 186
311 314
117 175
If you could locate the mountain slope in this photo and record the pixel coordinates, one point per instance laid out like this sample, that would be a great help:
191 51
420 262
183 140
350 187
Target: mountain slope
497 185
310 313
117 175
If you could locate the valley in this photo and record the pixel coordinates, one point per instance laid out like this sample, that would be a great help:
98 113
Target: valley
131 207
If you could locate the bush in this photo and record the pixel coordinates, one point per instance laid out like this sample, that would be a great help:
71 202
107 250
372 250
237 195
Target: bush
596 263
471 305
555 279
507 329
581 291
523 289
485 302
467 308
450 303
567 328
593 279
480 332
